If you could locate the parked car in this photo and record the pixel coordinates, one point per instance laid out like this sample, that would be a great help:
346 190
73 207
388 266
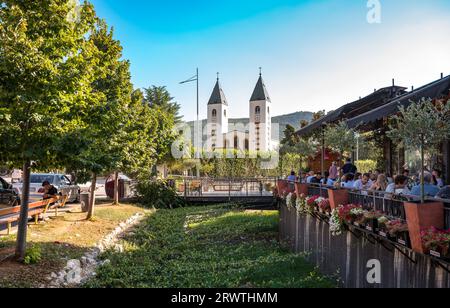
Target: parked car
4 171
8 196
60 181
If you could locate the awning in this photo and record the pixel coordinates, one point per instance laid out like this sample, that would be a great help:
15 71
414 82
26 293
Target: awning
437 89
369 102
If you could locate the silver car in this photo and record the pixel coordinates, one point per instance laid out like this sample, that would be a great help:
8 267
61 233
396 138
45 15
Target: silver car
60 181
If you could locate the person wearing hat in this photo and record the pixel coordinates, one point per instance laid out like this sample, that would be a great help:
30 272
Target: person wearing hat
50 191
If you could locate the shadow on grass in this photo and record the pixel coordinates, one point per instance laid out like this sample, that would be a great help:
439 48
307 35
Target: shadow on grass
53 257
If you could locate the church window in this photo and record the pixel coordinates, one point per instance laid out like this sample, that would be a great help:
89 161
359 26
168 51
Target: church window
258 110
214 113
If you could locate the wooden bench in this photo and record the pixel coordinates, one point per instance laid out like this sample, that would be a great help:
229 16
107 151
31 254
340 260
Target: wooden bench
35 209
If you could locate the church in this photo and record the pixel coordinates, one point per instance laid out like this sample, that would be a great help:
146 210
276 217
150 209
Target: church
256 136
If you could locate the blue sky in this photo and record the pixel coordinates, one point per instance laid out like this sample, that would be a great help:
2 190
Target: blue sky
315 55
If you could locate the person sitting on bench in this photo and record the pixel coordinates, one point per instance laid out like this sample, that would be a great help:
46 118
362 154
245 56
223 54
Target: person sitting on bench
50 191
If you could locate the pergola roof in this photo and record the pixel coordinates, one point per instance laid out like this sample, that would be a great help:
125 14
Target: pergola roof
374 100
437 89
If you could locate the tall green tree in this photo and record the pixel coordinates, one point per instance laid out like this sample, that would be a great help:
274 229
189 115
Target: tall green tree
159 97
44 75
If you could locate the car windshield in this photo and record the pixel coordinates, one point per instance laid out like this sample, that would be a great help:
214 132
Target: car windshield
41 178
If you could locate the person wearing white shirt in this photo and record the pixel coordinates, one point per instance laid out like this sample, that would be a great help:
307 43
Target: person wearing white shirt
364 183
399 187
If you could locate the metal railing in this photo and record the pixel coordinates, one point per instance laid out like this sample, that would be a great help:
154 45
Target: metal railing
225 187
388 203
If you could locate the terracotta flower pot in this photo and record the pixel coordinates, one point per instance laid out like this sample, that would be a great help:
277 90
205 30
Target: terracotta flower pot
337 197
420 216
301 189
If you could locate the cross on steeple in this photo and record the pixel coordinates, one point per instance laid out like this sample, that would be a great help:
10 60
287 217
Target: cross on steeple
218 74
260 71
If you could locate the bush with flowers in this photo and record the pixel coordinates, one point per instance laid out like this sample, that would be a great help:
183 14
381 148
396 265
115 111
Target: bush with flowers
301 204
397 227
342 215
436 241
369 219
311 203
336 224
324 205
291 199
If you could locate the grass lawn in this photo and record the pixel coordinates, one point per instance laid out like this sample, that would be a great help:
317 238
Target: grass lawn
208 247
63 238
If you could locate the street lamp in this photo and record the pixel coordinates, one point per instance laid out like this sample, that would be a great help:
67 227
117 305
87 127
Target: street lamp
197 126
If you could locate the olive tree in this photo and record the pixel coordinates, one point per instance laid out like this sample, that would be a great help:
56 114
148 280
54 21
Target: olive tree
422 125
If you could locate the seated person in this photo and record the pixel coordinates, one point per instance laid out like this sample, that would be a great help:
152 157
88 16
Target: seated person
348 181
444 193
317 179
380 184
430 189
50 191
310 176
364 183
399 187
324 181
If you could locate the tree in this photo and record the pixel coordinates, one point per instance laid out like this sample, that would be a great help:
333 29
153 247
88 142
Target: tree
160 97
422 125
43 76
290 136
340 138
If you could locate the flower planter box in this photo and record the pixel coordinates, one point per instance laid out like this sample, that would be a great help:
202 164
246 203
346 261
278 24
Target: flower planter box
372 225
441 254
385 233
337 197
282 187
404 239
301 189
420 216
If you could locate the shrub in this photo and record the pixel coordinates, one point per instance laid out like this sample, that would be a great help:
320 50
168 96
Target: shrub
158 194
34 255
365 166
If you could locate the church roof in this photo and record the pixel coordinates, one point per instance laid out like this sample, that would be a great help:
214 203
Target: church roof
218 96
260 93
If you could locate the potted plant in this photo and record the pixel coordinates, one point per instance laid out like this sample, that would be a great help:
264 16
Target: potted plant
311 204
340 138
383 231
370 220
291 200
301 204
324 206
422 125
357 216
436 242
399 231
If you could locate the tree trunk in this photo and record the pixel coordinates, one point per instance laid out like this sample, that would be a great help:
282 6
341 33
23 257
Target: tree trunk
422 178
116 188
91 209
23 220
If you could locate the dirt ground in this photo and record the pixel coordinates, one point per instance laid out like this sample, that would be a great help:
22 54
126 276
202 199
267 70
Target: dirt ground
61 238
